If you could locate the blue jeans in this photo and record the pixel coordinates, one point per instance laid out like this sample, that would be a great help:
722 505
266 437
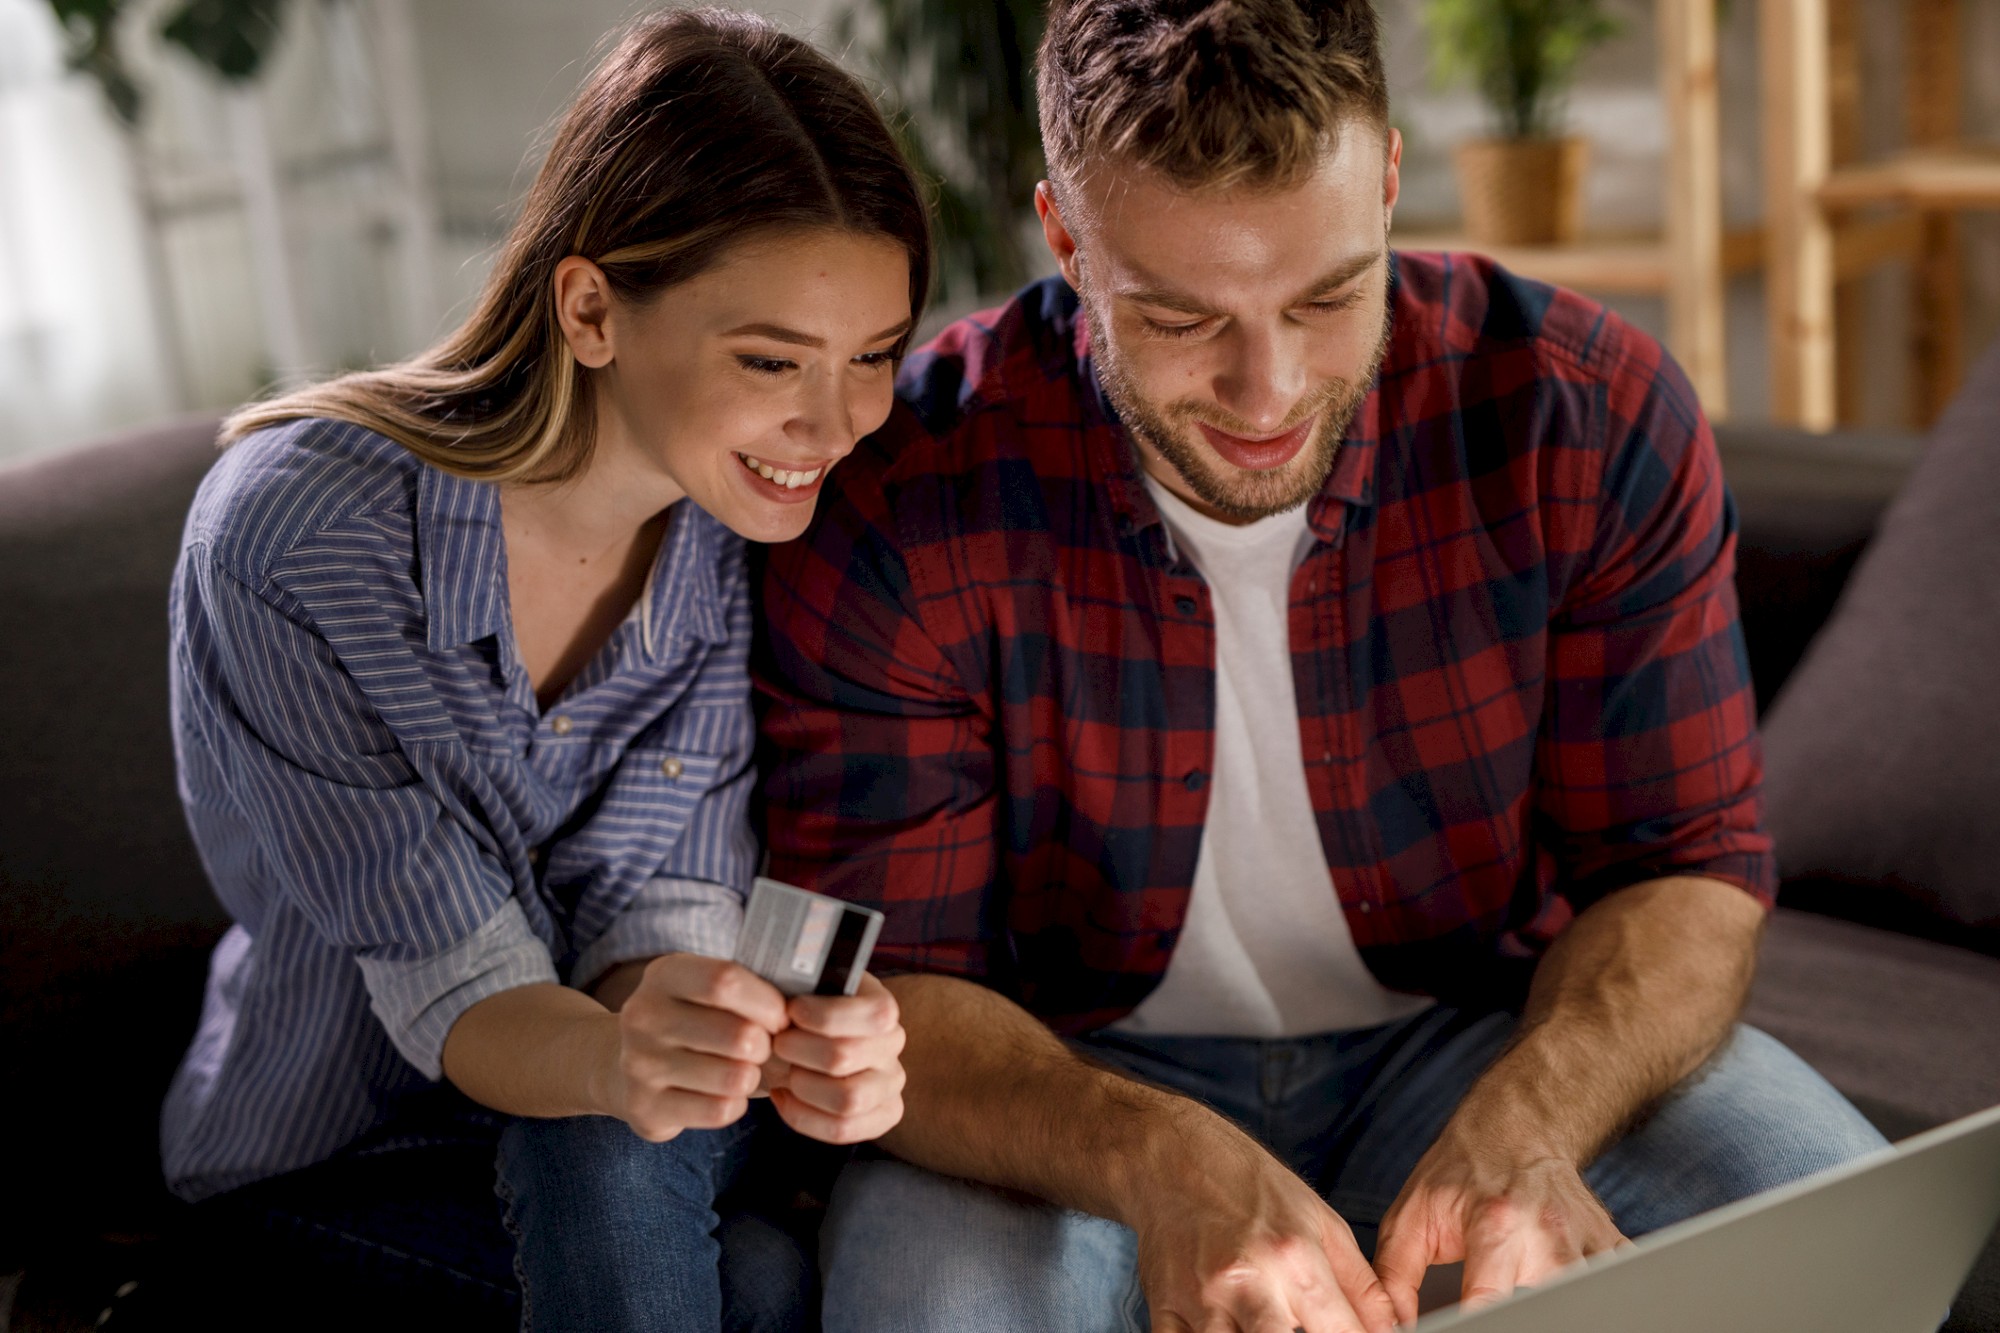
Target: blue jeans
614 1233
903 1249
402 1230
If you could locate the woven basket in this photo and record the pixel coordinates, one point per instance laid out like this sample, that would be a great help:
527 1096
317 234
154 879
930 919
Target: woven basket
1522 191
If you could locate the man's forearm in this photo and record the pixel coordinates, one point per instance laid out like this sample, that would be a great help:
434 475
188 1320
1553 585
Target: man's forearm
1633 997
994 1096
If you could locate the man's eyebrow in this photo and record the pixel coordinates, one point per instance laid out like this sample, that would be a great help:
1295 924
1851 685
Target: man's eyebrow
779 333
1167 299
1345 273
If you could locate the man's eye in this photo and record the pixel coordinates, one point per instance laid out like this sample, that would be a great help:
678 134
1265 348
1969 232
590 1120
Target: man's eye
764 365
1337 303
1193 330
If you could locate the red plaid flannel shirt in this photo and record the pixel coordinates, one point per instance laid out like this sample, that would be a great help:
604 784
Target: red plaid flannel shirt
988 680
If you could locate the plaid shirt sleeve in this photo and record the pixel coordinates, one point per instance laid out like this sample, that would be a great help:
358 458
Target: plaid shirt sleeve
880 772
1647 761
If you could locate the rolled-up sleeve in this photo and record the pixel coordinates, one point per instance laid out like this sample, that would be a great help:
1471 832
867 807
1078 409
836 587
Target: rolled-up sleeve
319 801
667 915
1648 760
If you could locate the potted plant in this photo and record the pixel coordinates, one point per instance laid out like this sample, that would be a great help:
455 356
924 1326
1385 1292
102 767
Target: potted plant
960 82
1524 185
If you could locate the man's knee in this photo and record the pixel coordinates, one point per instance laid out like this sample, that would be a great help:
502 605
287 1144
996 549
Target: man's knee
1753 1118
904 1249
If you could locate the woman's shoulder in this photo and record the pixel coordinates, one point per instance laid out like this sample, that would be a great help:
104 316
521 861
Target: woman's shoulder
281 487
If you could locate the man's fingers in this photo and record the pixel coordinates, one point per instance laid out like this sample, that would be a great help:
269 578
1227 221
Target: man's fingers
1402 1256
1496 1252
1364 1297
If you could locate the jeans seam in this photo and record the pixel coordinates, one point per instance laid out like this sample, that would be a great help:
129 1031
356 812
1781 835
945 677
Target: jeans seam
505 1189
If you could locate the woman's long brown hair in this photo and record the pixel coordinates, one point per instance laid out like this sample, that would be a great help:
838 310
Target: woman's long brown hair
701 128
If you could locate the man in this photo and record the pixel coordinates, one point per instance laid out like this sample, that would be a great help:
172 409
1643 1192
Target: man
1250 661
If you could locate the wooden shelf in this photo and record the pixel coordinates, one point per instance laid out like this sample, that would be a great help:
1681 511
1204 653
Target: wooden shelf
1931 179
1621 264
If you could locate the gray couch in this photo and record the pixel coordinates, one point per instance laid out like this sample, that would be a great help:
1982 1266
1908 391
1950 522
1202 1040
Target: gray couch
105 918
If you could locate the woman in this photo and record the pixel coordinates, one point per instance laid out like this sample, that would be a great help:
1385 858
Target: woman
463 726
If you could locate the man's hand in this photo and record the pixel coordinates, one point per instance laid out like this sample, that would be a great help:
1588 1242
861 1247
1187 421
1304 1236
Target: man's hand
1234 1243
693 1037
836 1074
1514 1218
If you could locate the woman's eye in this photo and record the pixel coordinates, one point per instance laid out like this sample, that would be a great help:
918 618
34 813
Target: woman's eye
874 359
764 365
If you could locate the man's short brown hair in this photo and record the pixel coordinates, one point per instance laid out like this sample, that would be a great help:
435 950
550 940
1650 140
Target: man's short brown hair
1210 93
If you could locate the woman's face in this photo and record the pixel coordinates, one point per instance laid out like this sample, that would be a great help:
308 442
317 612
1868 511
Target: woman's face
742 387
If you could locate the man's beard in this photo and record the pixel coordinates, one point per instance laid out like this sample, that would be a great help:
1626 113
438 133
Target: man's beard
1233 493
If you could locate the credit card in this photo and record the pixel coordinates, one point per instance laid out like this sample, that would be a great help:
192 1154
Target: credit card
806 943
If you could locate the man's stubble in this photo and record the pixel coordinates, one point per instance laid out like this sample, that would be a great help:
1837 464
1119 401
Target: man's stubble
1232 493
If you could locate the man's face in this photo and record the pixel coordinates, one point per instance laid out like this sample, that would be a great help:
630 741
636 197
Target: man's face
1235 331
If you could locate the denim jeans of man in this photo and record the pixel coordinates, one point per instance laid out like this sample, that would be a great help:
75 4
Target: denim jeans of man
414 1227
904 1250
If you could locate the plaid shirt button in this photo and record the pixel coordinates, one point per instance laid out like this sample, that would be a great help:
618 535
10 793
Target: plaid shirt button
1195 780
1184 605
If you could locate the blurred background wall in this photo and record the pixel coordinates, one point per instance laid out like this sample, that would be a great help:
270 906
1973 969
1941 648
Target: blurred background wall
136 273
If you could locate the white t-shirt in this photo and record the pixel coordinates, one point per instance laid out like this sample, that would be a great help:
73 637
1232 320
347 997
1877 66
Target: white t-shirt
1266 951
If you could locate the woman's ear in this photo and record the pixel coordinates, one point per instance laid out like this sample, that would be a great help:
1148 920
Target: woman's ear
583 308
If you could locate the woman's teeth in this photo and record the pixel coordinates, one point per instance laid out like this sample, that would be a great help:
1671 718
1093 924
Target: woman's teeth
789 480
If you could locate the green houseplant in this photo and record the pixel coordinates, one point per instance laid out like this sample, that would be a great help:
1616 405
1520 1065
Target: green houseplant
962 88
1523 185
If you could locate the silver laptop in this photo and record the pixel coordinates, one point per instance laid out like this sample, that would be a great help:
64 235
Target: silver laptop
1880 1245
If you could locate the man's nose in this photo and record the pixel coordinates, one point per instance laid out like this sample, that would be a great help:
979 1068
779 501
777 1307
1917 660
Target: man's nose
1262 378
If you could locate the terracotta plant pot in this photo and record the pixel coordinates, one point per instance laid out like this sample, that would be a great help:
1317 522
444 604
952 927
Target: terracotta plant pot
1522 191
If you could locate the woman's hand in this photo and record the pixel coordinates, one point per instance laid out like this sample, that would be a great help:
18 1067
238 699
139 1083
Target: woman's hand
835 1072
694 1036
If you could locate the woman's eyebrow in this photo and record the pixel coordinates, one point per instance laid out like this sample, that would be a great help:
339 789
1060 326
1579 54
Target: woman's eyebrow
779 333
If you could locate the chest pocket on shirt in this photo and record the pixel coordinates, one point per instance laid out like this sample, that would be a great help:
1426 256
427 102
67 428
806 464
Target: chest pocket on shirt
642 811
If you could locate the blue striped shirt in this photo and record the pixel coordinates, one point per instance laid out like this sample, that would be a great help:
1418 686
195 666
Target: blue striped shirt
397 828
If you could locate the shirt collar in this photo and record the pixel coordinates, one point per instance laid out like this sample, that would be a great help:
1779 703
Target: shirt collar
462 551
463 558
684 597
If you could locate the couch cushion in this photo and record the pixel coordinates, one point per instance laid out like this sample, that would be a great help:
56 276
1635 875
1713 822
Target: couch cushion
1903 1026
105 914
1881 750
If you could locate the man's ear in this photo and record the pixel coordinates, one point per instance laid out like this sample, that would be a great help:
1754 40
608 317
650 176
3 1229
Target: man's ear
1392 177
583 308
1061 244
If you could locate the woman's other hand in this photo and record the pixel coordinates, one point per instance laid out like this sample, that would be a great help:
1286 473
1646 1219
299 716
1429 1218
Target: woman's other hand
694 1036
836 1074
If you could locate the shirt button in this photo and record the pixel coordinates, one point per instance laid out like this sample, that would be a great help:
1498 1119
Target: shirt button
1366 908
561 725
534 856
1184 605
670 766
1195 780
